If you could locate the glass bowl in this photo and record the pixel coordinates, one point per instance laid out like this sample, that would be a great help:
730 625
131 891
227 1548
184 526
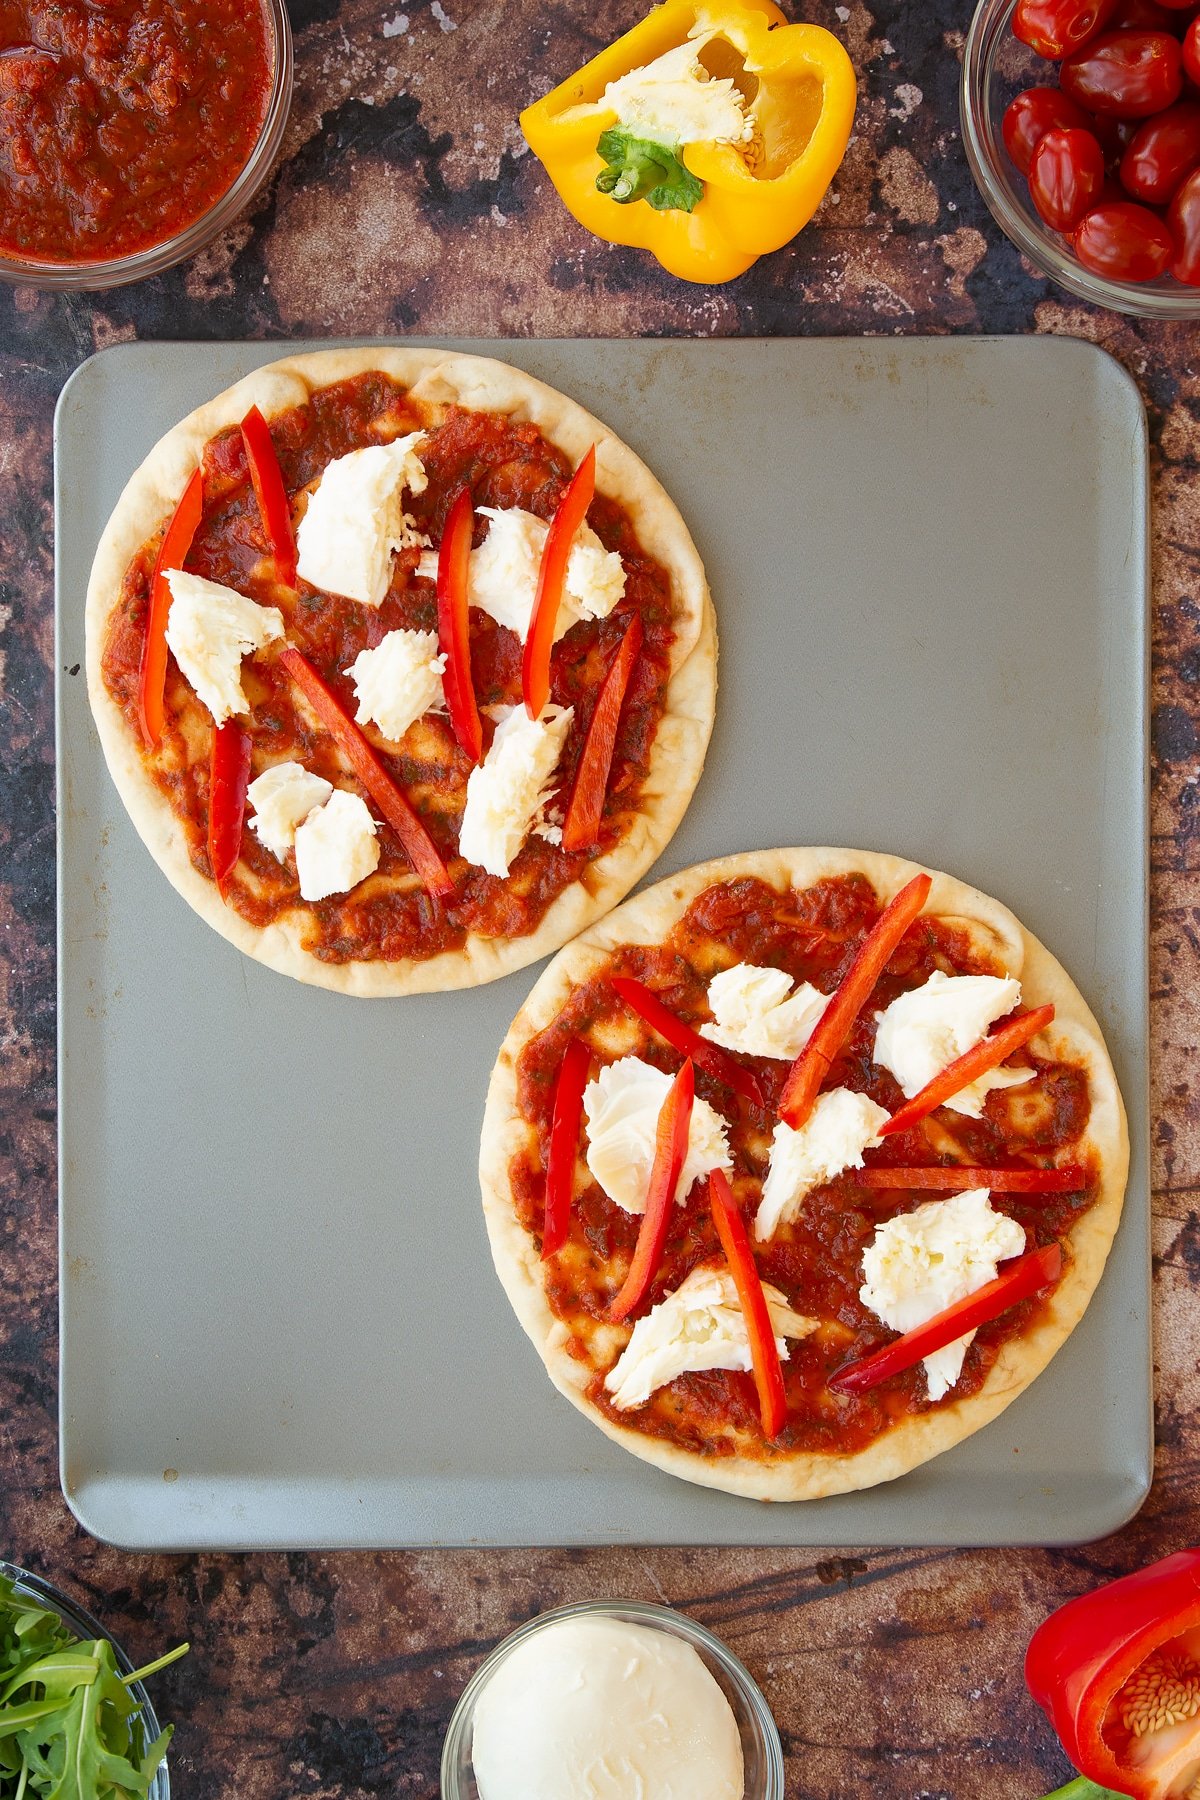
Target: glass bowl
762 1752
84 1626
118 270
996 66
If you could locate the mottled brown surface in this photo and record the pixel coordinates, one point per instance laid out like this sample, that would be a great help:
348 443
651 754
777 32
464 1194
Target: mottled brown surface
404 202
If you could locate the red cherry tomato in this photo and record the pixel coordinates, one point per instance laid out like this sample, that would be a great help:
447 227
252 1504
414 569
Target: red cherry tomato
1191 51
1161 152
1130 74
1124 242
1184 220
1056 27
1179 5
1066 177
1143 15
1034 113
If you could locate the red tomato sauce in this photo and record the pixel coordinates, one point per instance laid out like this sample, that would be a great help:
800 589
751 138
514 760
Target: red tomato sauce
122 123
816 1262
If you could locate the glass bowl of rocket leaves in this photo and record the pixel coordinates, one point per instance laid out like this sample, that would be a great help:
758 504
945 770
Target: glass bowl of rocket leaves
75 1721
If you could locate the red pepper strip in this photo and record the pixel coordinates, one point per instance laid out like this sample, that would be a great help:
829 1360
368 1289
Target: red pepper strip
274 507
833 1027
228 780
1084 1653
581 827
416 842
764 1356
552 575
454 637
711 1057
989 1053
172 553
564 1142
1018 1281
670 1149
1069 1179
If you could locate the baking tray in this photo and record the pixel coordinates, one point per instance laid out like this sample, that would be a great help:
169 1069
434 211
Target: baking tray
280 1324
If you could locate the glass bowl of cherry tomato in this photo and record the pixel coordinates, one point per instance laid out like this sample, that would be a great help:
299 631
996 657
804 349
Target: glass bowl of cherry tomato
1081 120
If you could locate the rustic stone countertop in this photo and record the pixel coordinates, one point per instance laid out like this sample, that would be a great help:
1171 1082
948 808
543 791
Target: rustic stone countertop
404 201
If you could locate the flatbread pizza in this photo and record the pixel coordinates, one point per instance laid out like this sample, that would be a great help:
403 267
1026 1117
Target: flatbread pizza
799 1167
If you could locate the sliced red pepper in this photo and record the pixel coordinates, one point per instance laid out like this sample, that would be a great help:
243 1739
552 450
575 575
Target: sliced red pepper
989 1053
229 777
172 553
833 1027
274 507
552 576
564 1144
581 827
418 846
1019 1281
454 638
1069 1179
714 1060
764 1355
670 1149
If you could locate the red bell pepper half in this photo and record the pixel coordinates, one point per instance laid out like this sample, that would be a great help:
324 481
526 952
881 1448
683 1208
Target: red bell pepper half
564 1143
1068 1179
989 1053
714 1060
670 1149
172 553
581 827
1021 1279
552 576
764 1355
274 507
833 1027
418 846
229 777
454 638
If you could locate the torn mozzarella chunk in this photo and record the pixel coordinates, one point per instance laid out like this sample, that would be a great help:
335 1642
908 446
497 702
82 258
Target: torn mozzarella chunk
503 572
506 792
209 630
336 847
622 1107
398 681
699 1326
282 798
674 100
356 519
840 1127
755 1011
921 1262
924 1030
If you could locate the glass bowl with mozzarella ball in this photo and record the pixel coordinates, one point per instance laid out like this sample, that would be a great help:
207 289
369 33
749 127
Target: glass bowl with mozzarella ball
761 1750
996 67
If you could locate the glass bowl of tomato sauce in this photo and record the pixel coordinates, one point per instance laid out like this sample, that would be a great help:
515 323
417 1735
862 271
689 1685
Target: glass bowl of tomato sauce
997 67
134 132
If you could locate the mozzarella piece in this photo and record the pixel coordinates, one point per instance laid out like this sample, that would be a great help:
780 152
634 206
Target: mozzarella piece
502 574
754 1014
398 681
673 100
356 519
699 1326
840 1127
282 798
622 1107
506 792
336 847
923 1031
923 1261
209 630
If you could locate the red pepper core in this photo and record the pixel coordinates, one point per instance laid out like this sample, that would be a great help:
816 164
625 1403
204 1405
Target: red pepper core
670 1149
172 553
552 576
274 507
711 1057
581 827
454 637
1018 1281
229 777
833 1027
989 1053
1069 1179
764 1354
418 846
564 1144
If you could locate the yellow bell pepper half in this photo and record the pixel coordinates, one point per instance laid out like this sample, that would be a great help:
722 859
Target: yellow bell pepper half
799 88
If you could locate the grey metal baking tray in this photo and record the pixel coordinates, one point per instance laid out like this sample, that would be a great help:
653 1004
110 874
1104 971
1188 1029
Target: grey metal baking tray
280 1324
